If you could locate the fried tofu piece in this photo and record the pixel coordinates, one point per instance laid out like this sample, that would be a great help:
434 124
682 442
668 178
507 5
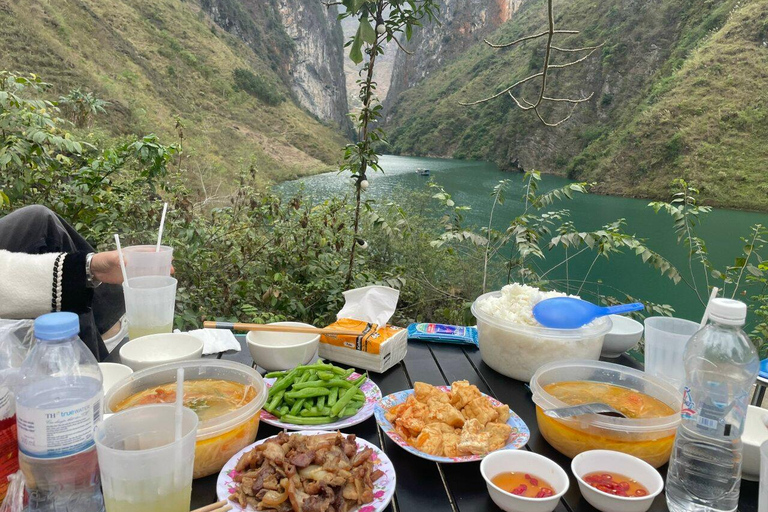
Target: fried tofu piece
481 410
462 392
430 440
451 445
474 440
498 434
503 411
424 392
444 413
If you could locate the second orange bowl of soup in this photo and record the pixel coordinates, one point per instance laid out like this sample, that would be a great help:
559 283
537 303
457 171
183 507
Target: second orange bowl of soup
226 396
653 407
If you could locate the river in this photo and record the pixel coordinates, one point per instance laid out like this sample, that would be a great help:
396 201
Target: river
471 183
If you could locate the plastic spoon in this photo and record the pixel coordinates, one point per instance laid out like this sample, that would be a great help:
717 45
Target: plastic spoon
572 313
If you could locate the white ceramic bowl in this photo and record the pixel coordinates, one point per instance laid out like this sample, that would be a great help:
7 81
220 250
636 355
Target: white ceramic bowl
503 461
623 464
155 349
112 374
282 350
755 434
624 335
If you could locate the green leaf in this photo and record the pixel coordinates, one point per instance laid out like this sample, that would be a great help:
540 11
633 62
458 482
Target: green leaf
408 31
355 50
367 33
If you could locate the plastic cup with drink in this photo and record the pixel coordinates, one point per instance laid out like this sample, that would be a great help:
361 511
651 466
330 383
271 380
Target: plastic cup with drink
143 466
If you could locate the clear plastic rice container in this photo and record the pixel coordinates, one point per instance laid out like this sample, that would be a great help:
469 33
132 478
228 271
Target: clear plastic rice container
650 439
517 350
218 438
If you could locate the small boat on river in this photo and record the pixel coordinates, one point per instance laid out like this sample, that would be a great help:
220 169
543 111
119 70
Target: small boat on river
422 172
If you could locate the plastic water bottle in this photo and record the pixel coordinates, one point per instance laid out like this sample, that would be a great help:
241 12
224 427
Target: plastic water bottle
58 403
721 365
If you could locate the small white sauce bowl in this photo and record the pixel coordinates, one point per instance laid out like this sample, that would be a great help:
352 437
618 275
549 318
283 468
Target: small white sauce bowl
522 461
113 373
275 351
156 349
624 335
607 461
755 434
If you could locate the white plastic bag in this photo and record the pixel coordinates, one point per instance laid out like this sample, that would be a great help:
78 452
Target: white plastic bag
14 499
16 340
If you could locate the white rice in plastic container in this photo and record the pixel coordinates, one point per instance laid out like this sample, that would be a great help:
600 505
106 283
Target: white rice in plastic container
514 344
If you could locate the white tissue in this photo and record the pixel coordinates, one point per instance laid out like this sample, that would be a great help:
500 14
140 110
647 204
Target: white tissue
215 340
371 304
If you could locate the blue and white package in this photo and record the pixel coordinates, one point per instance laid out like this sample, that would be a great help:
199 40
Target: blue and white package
442 333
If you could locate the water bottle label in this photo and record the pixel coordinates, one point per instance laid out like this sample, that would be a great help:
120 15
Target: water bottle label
50 433
688 410
6 403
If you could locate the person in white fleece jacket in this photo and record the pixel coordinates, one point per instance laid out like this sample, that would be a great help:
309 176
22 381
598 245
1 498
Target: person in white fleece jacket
45 266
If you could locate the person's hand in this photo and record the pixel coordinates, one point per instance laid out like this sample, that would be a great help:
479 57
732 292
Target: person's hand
105 266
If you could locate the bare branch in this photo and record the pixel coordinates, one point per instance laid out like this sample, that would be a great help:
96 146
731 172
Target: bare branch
329 4
583 49
574 62
407 52
545 123
522 107
527 38
569 100
505 91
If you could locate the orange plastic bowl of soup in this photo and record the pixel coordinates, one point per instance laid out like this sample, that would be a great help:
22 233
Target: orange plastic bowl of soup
226 396
652 407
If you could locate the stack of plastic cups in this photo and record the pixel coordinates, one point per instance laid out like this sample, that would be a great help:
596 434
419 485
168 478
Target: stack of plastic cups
150 294
665 340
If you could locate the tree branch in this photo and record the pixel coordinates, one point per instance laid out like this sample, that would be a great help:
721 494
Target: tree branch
582 49
527 38
407 52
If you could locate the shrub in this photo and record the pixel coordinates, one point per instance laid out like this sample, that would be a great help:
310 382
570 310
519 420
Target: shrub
257 86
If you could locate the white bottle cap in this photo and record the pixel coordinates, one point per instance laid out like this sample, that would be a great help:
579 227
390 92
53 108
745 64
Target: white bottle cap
728 311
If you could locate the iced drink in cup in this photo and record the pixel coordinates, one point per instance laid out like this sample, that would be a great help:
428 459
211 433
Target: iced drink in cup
145 260
149 305
142 466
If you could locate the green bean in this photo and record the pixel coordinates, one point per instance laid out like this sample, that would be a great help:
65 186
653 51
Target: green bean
324 412
308 392
349 411
343 401
298 405
274 375
276 400
316 366
333 396
360 379
302 420
321 401
283 382
355 403
326 375
324 384
289 400
284 410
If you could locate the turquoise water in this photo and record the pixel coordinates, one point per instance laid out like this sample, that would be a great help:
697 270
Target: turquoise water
471 183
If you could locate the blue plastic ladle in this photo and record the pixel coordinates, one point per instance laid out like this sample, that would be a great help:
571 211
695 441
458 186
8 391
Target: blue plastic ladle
572 313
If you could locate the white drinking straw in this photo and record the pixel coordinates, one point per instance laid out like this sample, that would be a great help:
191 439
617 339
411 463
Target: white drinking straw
162 224
179 401
709 305
178 419
122 261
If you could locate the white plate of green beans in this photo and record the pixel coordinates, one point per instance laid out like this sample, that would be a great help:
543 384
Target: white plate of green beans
319 396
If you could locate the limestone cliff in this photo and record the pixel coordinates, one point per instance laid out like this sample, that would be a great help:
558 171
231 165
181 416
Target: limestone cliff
316 68
304 45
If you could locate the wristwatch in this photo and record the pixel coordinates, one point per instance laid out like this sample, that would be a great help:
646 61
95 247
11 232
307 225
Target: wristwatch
90 281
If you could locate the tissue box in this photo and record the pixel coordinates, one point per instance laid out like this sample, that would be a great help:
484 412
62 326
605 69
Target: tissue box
377 349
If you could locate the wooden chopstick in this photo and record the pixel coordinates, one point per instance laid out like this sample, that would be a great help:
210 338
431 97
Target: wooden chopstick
220 506
277 328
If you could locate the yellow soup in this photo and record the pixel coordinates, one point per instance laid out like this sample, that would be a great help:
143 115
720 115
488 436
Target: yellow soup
572 437
209 398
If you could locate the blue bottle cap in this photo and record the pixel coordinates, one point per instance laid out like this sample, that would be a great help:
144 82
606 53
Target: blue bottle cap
57 326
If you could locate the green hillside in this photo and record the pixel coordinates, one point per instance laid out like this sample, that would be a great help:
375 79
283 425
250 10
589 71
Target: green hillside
157 61
679 90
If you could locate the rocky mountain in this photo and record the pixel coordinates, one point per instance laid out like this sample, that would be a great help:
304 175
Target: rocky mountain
304 43
223 69
675 93
461 24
